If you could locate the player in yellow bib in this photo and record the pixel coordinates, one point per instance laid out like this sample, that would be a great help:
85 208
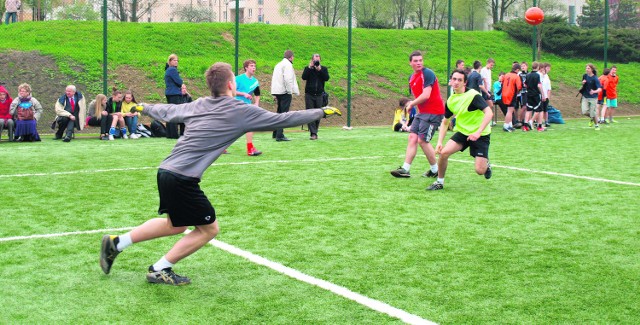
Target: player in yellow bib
473 116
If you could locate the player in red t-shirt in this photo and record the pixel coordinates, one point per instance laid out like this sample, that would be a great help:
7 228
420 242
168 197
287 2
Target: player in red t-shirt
425 89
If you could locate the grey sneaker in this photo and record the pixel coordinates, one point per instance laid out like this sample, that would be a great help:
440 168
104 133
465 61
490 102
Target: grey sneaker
488 173
108 252
435 186
401 173
429 173
166 276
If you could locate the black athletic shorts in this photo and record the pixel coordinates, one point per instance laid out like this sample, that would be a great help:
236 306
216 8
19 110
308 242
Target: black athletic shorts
502 106
534 103
545 105
479 148
184 201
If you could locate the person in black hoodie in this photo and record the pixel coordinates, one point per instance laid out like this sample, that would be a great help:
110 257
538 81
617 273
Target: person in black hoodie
316 75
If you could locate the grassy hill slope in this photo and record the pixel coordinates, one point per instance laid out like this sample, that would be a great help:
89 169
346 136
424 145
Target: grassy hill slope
379 57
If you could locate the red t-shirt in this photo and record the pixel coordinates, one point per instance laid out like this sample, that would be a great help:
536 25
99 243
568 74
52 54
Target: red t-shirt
423 79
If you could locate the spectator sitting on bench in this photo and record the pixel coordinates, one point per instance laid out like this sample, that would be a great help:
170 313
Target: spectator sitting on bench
71 110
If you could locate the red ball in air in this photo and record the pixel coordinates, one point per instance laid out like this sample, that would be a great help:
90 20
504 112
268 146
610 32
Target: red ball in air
534 16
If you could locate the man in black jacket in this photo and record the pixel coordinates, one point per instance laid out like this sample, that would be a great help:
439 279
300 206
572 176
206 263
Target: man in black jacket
316 75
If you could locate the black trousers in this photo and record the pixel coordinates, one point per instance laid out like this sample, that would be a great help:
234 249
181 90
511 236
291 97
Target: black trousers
313 101
65 124
172 128
284 103
105 124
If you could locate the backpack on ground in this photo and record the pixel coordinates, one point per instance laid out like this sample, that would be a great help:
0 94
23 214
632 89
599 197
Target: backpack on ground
158 130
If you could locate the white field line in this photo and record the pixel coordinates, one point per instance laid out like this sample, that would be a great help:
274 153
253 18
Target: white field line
376 305
527 170
370 303
73 172
62 234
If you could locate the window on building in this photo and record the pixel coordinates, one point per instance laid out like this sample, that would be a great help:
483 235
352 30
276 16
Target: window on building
260 2
250 12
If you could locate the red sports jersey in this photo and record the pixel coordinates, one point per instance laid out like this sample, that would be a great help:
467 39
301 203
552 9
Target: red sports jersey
423 79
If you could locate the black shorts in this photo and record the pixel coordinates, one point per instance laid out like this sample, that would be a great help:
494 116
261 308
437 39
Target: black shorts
534 103
502 106
479 148
425 125
545 105
184 201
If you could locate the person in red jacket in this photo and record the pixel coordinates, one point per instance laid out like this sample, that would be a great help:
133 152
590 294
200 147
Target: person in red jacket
6 120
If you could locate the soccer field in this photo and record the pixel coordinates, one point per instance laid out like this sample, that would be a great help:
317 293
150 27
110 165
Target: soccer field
319 232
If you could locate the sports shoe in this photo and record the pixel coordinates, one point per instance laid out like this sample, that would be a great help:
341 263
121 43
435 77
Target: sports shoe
507 129
488 172
254 152
104 137
108 252
166 276
435 186
525 128
429 173
400 173
546 125
541 129
125 136
590 123
135 136
111 138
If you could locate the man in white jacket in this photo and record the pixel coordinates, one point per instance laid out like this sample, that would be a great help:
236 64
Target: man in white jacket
283 85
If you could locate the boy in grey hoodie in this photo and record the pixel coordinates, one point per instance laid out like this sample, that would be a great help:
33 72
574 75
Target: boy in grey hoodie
212 124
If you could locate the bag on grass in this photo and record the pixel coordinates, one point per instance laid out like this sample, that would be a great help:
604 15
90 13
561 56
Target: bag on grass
158 129
554 115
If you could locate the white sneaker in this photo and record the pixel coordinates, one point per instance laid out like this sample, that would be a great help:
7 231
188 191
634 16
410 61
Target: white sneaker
111 137
135 136
124 136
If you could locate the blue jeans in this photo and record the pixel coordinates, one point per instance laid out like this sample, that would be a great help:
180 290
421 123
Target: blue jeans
132 124
12 15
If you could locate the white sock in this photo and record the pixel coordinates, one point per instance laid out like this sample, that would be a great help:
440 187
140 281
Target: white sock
124 241
406 166
440 180
162 264
434 168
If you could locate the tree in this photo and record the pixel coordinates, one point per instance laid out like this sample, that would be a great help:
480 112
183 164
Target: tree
130 10
77 11
193 14
41 9
592 14
372 14
329 12
624 14
401 9
498 8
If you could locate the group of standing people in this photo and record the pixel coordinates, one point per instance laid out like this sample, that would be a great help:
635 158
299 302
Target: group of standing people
284 85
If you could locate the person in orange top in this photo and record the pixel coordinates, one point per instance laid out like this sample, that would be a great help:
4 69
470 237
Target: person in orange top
601 108
612 93
511 85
